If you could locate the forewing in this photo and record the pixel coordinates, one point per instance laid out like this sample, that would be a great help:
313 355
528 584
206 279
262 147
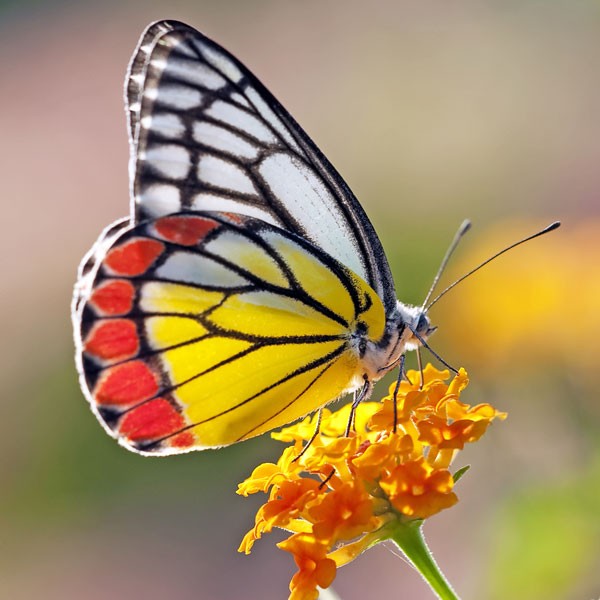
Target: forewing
198 330
207 135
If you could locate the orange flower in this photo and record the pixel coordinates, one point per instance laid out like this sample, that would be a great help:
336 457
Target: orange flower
342 514
382 456
417 490
314 567
287 502
341 495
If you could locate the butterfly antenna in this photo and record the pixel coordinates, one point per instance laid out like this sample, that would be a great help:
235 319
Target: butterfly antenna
464 227
548 229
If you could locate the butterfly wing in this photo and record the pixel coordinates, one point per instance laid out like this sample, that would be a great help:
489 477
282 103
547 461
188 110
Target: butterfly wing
201 329
205 134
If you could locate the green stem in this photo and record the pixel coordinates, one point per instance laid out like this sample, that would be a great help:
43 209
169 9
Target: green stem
409 538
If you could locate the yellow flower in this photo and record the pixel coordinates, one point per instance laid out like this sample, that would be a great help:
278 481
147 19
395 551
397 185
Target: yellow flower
341 494
267 474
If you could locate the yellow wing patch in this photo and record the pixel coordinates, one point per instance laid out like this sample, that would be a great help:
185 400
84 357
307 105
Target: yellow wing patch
162 297
273 315
268 387
314 276
190 361
166 331
249 256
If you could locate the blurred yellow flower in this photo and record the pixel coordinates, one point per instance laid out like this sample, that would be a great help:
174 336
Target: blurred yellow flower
343 494
536 306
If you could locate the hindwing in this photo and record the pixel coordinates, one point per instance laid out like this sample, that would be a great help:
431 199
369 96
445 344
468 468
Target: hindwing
201 329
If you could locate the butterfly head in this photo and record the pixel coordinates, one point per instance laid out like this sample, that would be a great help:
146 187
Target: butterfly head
417 326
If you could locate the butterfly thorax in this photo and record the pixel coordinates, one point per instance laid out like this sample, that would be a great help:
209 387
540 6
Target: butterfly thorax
406 328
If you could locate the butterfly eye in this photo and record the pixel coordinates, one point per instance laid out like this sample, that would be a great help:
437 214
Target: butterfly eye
424 325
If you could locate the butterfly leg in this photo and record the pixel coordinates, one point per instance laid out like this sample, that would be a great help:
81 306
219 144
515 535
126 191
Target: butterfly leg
401 374
420 364
426 345
326 480
364 393
313 436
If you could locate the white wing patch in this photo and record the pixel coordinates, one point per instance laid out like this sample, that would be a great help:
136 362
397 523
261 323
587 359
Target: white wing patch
267 113
215 202
217 60
239 99
198 269
169 160
195 72
223 174
161 199
222 139
242 120
167 125
311 204
179 97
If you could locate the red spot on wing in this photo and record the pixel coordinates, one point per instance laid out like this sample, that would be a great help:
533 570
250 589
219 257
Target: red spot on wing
112 340
182 440
151 421
235 218
113 297
133 257
187 231
125 384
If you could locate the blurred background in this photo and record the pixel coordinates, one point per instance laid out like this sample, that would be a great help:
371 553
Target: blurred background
433 112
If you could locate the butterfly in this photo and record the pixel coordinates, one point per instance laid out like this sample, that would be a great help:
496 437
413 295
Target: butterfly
247 288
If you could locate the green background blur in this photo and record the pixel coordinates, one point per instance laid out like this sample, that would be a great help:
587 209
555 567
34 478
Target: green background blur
433 112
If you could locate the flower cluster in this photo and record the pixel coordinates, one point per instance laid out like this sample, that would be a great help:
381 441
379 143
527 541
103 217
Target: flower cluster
342 494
